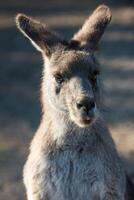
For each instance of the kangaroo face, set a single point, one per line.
(71, 74)
(72, 85)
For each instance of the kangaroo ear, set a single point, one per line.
(39, 34)
(90, 33)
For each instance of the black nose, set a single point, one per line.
(85, 105)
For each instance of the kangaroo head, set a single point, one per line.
(71, 74)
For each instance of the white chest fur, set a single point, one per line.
(71, 175)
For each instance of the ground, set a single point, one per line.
(20, 77)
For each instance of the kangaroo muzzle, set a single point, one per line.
(83, 106)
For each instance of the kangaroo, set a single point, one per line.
(72, 155)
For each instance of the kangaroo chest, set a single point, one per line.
(81, 175)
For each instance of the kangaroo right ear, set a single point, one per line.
(92, 30)
(39, 34)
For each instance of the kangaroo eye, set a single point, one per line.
(59, 79)
(96, 73)
(94, 76)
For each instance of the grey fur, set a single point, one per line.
(70, 157)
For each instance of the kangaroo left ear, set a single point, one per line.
(92, 30)
(39, 34)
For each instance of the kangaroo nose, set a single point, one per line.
(85, 105)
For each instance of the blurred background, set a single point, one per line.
(20, 78)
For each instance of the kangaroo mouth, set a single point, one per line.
(86, 120)
(82, 119)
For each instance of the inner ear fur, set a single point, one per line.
(39, 34)
(92, 30)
